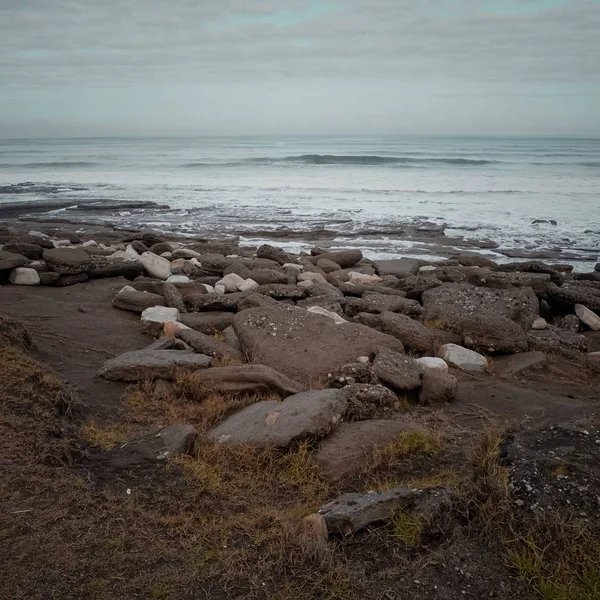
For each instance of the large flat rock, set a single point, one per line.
(309, 415)
(302, 345)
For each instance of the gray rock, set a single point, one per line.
(220, 302)
(273, 253)
(437, 387)
(413, 335)
(24, 276)
(247, 378)
(267, 276)
(398, 371)
(567, 296)
(519, 363)
(280, 291)
(350, 288)
(207, 322)
(367, 401)
(327, 266)
(538, 282)
(414, 285)
(231, 338)
(173, 297)
(156, 266)
(67, 261)
(587, 317)
(400, 268)
(9, 261)
(130, 299)
(141, 365)
(154, 318)
(50, 278)
(462, 358)
(570, 323)
(378, 303)
(256, 301)
(67, 280)
(102, 266)
(350, 374)
(345, 258)
(557, 340)
(302, 345)
(206, 344)
(30, 251)
(308, 415)
(352, 512)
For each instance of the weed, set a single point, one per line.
(103, 437)
(407, 527)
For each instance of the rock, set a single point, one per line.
(592, 362)
(377, 303)
(280, 291)
(474, 260)
(319, 310)
(128, 298)
(199, 302)
(362, 279)
(354, 511)
(309, 277)
(24, 276)
(398, 371)
(178, 279)
(141, 365)
(30, 251)
(414, 285)
(539, 324)
(345, 258)
(411, 333)
(302, 345)
(155, 317)
(266, 276)
(597, 267)
(351, 373)
(434, 363)
(587, 317)
(462, 358)
(66, 280)
(273, 253)
(557, 340)
(163, 389)
(400, 268)
(139, 246)
(161, 248)
(206, 344)
(518, 304)
(231, 282)
(102, 266)
(538, 282)
(207, 322)
(358, 290)
(567, 296)
(186, 253)
(247, 378)
(438, 387)
(173, 297)
(231, 338)
(570, 323)
(249, 285)
(156, 266)
(308, 415)
(67, 261)
(9, 261)
(327, 266)
(153, 448)
(50, 278)
(170, 328)
(347, 450)
(534, 266)
(518, 363)
(367, 401)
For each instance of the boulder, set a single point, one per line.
(24, 276)
(220, 302)
(557, 340)
(539, 324)
(357, 289)
(50, 278)
(347, 450)
(358, 372)
(570, 323)
(141, 365)
(538, 282)
(273, 253)
(326, 265)
(178, 278)
(462, 358)
(256, 301)
(156, 266)
(567, 296)
(518, 363)
(206, 344)
(413, 335)
(319, 310)
(587, 317)
(398, 267)
(173, 297)
(66, 280)
(207, 322)
(302, 345)
(247, 378)
(438, 387)
(363, 279)
(308, 415)
(433, 363)
(345, 258)
(30, 251)
(102, 266)
(266, 276)
(377, 303)
(280, 291)
(367, 401)
(128, 298)
(518, 304)
(9, 261)
(414, 285)
(67, 261)
(154, 318)
(231, 338)
(230, 283)
(398, 371)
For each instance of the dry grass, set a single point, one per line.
(105, 438)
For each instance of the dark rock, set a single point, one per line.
(231, 338)
(308, 415)
(414, 285)
(567, 296)
(9, 261)
(139, 246)
(141, 365)
(413, 335)
(474, 260)
(534, 266)
(247, 378)
(538, 282)
(519, 363)
(255, 301)
(114, 267)
(67, 261)
(38, 240)
(200, 302)
(557, 340)
(437, 387)
(345, 258)
(366, 401)
(50, 278)
(67, 280)
(372, 320)
(400, 268)
(161, 248)
(327, 266)
(397, 371)
(173, 297)
(358, 290)
(350, 374)
(149, 237)
(206, 344)
(544, 222)
(275, 254)
(280, 291)
(31, 251)
(207, 322)
(134, 301)
(570, 323)
(266, 276)
(302, 345)
(378, 303)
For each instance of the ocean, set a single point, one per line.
(364, 188)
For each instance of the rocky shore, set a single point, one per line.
(334, 353)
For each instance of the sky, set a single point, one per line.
(72, 68)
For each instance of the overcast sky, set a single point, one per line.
(193, 67)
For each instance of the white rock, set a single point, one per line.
(363, 279)
(309, 276)
(463, 358)
(132, 252)
(156, 266)
(167, 255)
(539, 324)
(61, 243)
(24, 276)
(232, 256)
(220, 288)
(196, 262)
(209, 288)
(293, 266)
(178, 279)
(319, 310)
(248, 285)
(120, 254)
(427, 269)
(188, 253)
(588, 317)
(39, 234)
(363, 359)
(432, 362)
(231, 282)
(90, 244)
(154, 318)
